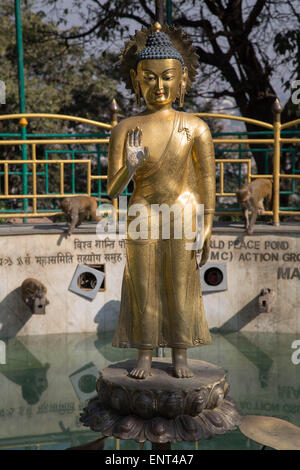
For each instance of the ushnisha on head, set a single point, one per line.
(159, 46)
(159, 64)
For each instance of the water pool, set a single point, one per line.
(47, 380)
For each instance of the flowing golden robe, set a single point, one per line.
(161, 301)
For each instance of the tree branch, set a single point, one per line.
(255, 12)
(216, 8)
(147, 9)
(295, 13)
(220, 94)
(81, 35)
(221, 62)
(138, 19)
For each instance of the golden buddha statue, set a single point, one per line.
(170, 156)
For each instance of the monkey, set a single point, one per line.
(251, 196)
(33, 291)
(78, 207)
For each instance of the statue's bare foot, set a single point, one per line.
(142, 369)
(182, 371)
(180, 367)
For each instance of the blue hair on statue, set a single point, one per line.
(159, 46)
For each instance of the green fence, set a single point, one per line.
(98, 156)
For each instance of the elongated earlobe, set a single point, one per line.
(138, 95)
(136, 87)
(181, 94)
(182, 87)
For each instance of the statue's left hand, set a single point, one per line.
(208, 222)
(205, 251)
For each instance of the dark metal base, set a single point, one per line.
(162, 408)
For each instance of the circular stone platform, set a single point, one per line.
(162, 408)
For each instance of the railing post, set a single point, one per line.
(34, 182)
(23, 123)
(114, 109)
(276, 109)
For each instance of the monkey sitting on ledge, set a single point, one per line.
(77, 208)
(251, 196)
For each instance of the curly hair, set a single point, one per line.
(137, 42)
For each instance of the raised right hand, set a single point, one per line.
(136, 154)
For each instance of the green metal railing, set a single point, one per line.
(100, 151)
(69, 158)
(241, 153)
(72, 154)
(233, 150)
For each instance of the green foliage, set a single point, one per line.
(59, 77)
(248, 50)
(73, 70)
(239, 43)
(67, 72)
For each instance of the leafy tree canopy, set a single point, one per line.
(59, 76)
(242, 44)
(248, 49)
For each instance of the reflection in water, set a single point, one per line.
(24, 369)
(40, 405)
(34, 384)
(84, 381)
(253, 353)
(111, 354)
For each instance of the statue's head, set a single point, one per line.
(160, 74)
(156, 65)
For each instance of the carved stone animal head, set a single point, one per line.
(34, 295)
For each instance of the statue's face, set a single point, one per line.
(159, 81)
